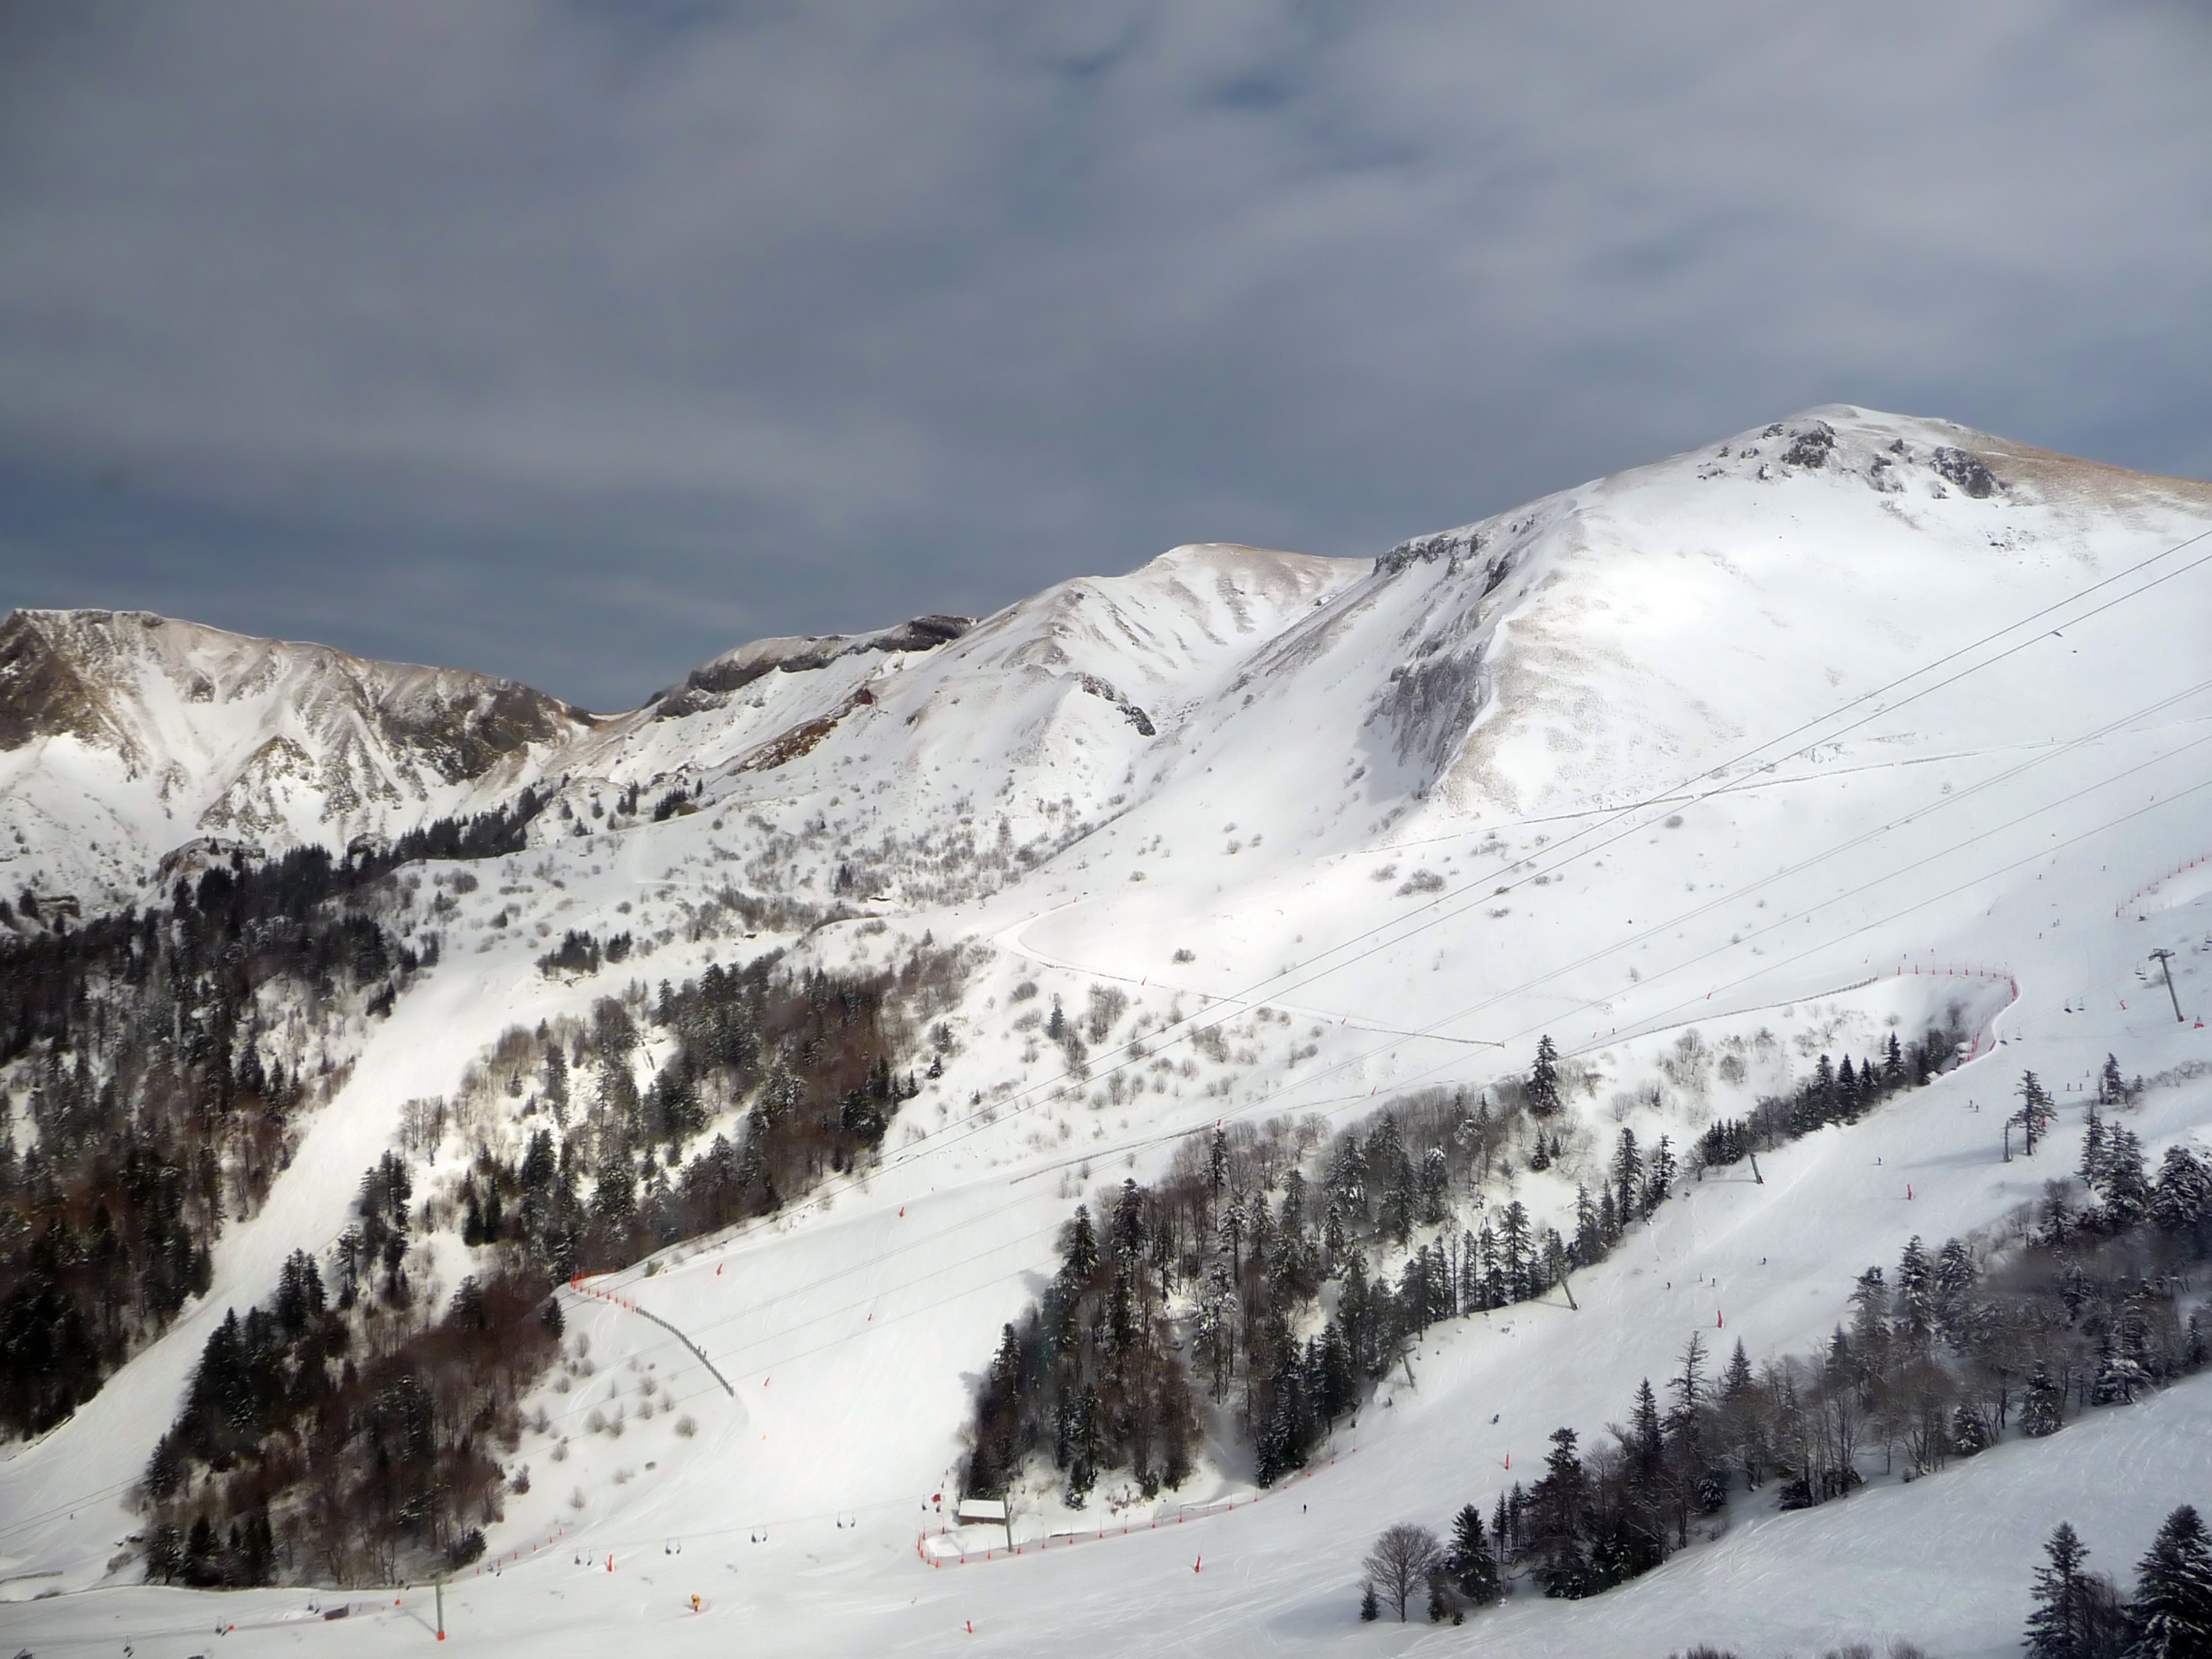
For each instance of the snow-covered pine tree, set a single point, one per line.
(1628, 1176)
(2036, 1110)
(2123, 1186)
(1472, 1563)
(1078, 1249)
(1543, 1079)
(2092, 1148)
(1659, 1178)
(2170, 1616)
(2042, 1407)
(1589, 1241)
(2183, 1196)
(1954, 1281)
(1914, 1305)
(2112, 1089)
(1825, 1105)
(1970, 1431)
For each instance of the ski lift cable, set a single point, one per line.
(962, 1128)
(1032, 1096)
(1277, 1103)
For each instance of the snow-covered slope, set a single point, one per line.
(1788, 743)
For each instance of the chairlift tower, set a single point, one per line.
(2165, 960)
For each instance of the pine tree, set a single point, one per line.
(2184, 1194)
(2042, 1409)
(1736, 1381)
(1470, 1561)
(1685, 1389)
(2123, 1186)
(1370, 1609)
(2054, 1628)
(2092, 1148)
(1869, 1301)
(1970, 1431)
(1916, 1294)
(1006, 1364)
(1824, 1091)
(1628, 1172)
(1513, 1251)
(1079, 1251)
(2112, 1090)
(2076, 1615)
(1589, 1242)
(1558, 1518)
(1659, 1179)
(2171, 1614)
(2036, 1110)
(1644, 1443)
(1955, 1276)
(1128, 1231)
(1543, 1079)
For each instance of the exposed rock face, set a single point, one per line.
(43, 693)
(708, 686)
(124, 735)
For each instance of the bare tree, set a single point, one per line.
(1401, 1563)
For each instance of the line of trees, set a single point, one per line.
(610, 1170)
(1832, 1095)
(167, 1057)
(341, 1430)
(2087, 1306)
(343, 1437)
(2080, 1614)
(1092, 1371)
(1238, 1243)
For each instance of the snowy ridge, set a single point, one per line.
(1700, 769)
(127, 739)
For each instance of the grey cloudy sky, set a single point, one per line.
(579, 341)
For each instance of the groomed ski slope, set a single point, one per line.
(2011, 828)
(1944, 1561)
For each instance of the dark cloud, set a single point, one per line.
(579, 342)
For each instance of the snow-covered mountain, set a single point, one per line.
(127, 739)
(1844, 725)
